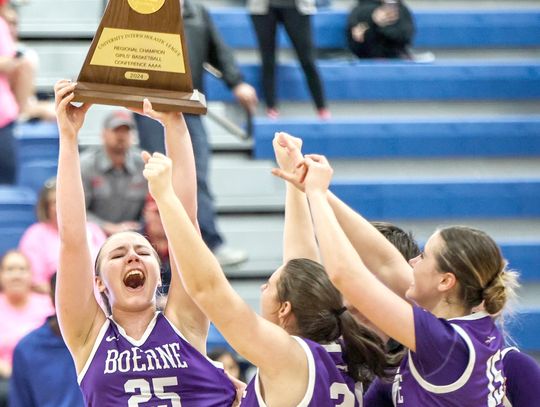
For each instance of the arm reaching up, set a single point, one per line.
(381, 257)
(79, 314)
(265, 344)
(180, 308)
(298, 236)
(390, 313)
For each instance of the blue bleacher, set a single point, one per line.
(401, 80)
(496, 136)
(435, 28)
(524, 328)
(9, 238)
(37, 141)
(441, 198)
(16, 206)
(34, 173)
(523, 256)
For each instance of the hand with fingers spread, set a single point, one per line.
(319, 174)
(70, 117)
(158, 173)
(287, 150)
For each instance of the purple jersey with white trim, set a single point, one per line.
(328, 383)
(458, 362)
(522, 378)
(160, 369)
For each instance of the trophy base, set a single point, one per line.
(131, 96)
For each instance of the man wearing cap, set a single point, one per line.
(204, 46)
(114, 187)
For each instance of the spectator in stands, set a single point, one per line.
(295, 16)
(114, 187)
(229, 360)
(204, 46)
(40, 243)
(380, 29)
(43, 371)
(10, 66)
(21, 309)
(24, 86)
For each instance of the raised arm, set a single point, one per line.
(261, 342)
(389, 312)
(377, 253)
(78, 311)
(298, 236)
(181, 310)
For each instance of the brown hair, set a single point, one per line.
(321, 317)
(97, 265)
(477, 262)
(403, 241)
(42, 205)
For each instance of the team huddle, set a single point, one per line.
(348, 320)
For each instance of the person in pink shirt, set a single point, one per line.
(9, 64)
(22, 310)
(41, 241)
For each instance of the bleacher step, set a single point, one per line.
(262, 237)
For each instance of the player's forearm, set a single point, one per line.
(184, 177)
(70, 195)
(199, 269)
(299, 236)
(376, 252)
(340, 258)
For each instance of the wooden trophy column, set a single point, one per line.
(139, 51)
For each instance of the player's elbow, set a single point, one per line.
(338, 274)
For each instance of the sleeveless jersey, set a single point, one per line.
(522, 373)
(328, 383)
(160, 369)
(477, 382)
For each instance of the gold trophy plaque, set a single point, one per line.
(139, 52)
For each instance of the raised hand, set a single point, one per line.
(165, 118)
(158, 173)
(319, 174)
(70, 117)
(287, 150)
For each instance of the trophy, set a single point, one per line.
(139, 52)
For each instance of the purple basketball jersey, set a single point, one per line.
(458, 362)
(160, 369)
(522, 379)
(328, 384)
